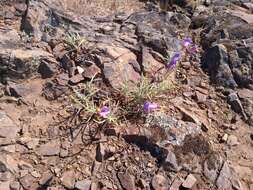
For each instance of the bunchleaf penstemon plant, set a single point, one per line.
(188, 47)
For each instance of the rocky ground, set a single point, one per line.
(57, 68)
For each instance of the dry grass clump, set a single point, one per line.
(99, 7)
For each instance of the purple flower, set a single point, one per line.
(104, 111)
(149, 107)
(187, 42)
(176, 57)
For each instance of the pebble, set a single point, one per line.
(232, 140)
(224, 138)
(159, 182)
(83, 185)
(68, 179)
(51, 148)
(27, 181)
(14, 185)
(127, 181)
(189, 181)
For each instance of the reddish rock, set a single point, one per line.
(127, 181)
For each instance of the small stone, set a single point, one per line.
(127, 181)
(83, 185)
(100, 155)
(46, 69)
(176, 184)
(79, 69)
(8, 129)
(159, 182)
(94, 186)
(186, 65)
(189, 181)
(46, 179)
(64, 153)
(51, 148)
(3, 167)
(228, 178)
(5, 176)
(171, 162)
(235, 103)
(232, 140)
(14, 185)
(68, 179)
(201, 98)
(35, 174)
(27, 181)
(224, 138)
(76, 79)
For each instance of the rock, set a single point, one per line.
(159, 182)
(7, 163)
(5, 185)
(35, 20)
(189, 181)
(47, 69)
(171, 162)
(14, 185)
(127, 181)
(17, 90)
(186, 65)
(216, 62)
(5, 176)
(224, 138)
(201, 98)
(8, 129)
(51, 148)
(91, 71)
(52, 91)
(27, 181)
(83, 185)
(68, 179)
(46, 178)
(21, 64)
(176, 184)
(232, 140)
(149, 64)
(118, 71)
(103, 152)
(74, 80)
(235, 103)
(212, 166)
(227, 178)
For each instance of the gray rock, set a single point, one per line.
(19, 63)
(235, 103)
(216, 62)
(8, 129)
(68, 179)
(212, 166)
(47, 69)
(171, 162)
(159, 182)
(51, 148)
(83, 185)
(228, 179)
